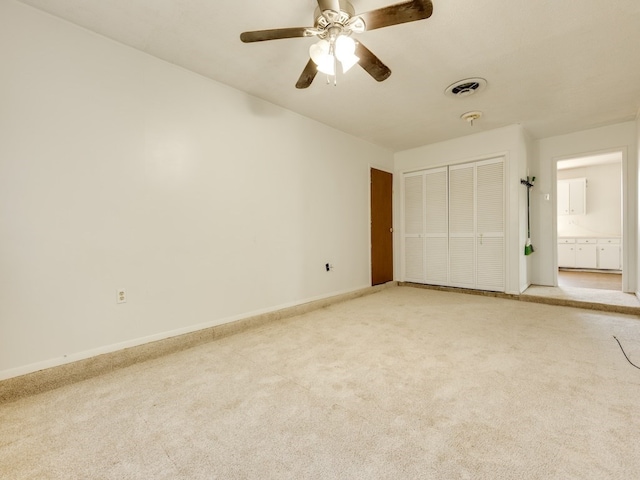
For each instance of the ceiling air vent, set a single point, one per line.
(466, 87)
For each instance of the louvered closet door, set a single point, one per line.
(490, 248)
(414, 218)
(436, 233)
(462, 271)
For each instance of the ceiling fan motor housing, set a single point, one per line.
(325, 14)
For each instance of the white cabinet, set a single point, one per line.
(577, 253)
(454, 226)
(567, 252)
(609, 254)
(589, 253)
(572, 196)
(586, 256)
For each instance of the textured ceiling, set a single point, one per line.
(553, 66)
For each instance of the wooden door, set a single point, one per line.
(381, 227)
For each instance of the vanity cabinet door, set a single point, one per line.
(566, 255)
(586, 256)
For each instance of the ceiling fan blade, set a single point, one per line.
(274, 34)
(307, 76)
(395, 14)
(371, 63)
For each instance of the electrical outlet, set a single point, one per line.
(121, 295)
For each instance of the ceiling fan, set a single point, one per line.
(335, 22)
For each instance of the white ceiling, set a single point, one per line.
(553, 66)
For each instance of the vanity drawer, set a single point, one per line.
(609, 241)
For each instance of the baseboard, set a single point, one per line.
(563, 302)
(135, 342)
(47, 379)
(469, 291)
(589, 270)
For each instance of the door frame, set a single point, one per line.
(626, 234)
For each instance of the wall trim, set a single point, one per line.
(46, 376)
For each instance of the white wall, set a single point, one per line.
(635, 172)
(512, 143)
(603, 216)
(620, 137)
(119, 170)
(526, 147)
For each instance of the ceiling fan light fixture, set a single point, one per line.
(320, 53)
(349, 62)
(324, 54)
(345, 47)
(345, 52)
(328, 66)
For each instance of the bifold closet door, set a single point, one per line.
(436, 234)
(490, 248)
(476, 225)
(454, 226)
(414, 218)
(426, 239)
(462, 227)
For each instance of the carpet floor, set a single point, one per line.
(405, 383)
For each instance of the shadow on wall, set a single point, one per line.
(262, 108)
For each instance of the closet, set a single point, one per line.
(453, 232)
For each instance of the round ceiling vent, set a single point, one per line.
(466, 87)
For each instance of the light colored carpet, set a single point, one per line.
(403, 384)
